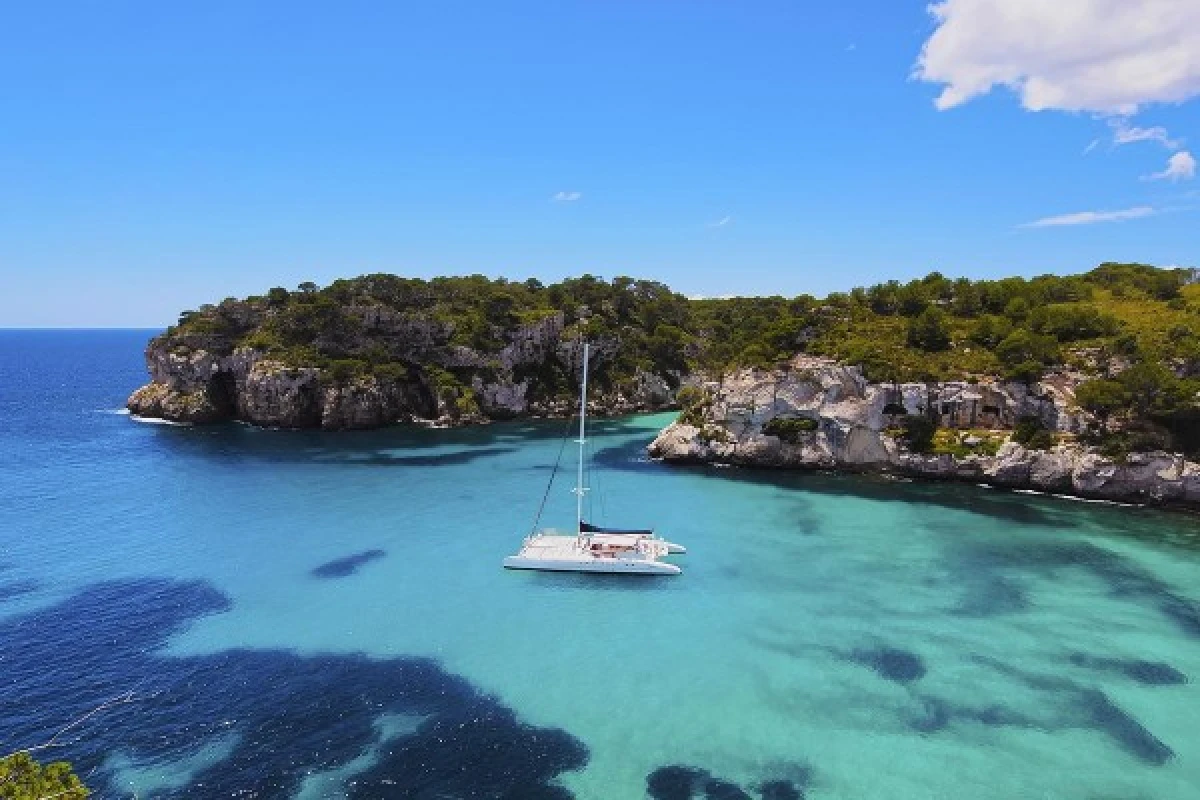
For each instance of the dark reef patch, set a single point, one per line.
(780, 790)
(1105, 715)
(1123, 579)
(717, 789)
(293, 715)
(992, 595)
(1183, 612)
(679, 782)
(936, 714)
(892, 663)
(1150, 673)
(933, 716)
(1085, 707)
(342, 567)
(674, 782)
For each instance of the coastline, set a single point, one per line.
(1189, 506)
(820, 414)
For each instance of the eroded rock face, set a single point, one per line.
(850, 417)
(202, 380)
(159, 401)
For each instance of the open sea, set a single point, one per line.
(323, 615)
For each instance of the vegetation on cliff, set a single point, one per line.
(1133, 328)
(337, 328)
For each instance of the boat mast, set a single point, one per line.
(580, 489)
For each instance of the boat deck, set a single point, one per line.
(559, 553)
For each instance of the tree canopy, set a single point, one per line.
(23, 778)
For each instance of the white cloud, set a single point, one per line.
(566, 197)
(1091, 217)
(1180, 167)
(1124, 133)
(1105, 56)
(1091, 146)
(722, 222)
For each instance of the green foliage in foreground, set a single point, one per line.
(23, 778)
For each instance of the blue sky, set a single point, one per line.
(155, 156)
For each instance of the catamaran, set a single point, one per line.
(593, 548)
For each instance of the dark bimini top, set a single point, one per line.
(587, 527)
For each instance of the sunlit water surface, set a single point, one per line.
(304, 614)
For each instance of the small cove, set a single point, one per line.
(847, 636)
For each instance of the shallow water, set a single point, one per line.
(305, 614)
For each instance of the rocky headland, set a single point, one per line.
(379, 350)
(214, 380)
(1087, 385)
(820, 414)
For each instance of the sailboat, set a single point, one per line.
(593, 548)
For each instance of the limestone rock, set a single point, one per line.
(159, 401)
(852, 418)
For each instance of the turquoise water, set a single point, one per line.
(850, 637)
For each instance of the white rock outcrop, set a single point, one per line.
(850, 418)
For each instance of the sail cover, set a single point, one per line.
(587, 527)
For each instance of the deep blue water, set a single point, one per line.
(306, 614)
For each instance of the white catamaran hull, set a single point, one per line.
(606, 565)
(560, 553)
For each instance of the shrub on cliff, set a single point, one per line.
(694, 403)
(1030, 432)
(789, 429)
(390, 371)
(917, 432)
(1153, 389)
(1102, 397)
(343, 371)
(1025, 354)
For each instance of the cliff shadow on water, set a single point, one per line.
(398, 445)
(998, 504)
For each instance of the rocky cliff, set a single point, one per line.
(211, 377)
(826, 415)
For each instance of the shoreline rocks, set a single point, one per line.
(847, 429)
